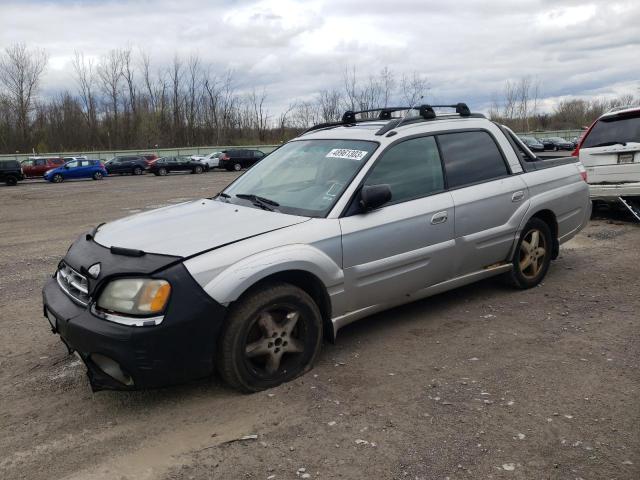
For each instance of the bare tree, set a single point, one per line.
(85, 74)
(413, 88)
(110, 74)
(20, 73)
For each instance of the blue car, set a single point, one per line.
(78, 168)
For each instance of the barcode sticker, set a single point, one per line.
(347, 153)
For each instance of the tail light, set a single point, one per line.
(583, 137)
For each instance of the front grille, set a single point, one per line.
(73, 284)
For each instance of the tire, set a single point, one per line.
(137, 171)
(530, 264)
(97, 176)
(197, 170)
(237, 167)
(162, 172)
(284, 326)
(57, 178)
(11, 181)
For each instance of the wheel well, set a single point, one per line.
(548, 217)
(313, 286)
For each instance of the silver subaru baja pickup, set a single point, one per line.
(348, 219)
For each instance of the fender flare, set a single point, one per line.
(232, 282)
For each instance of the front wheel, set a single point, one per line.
(162, 172)
(197, 169)
(57, 178)
(272, 335)
(11, 181)
(533, 255)
(137, 171)
(237, 167)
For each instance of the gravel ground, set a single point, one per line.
(480, 382)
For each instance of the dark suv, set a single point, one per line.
(134, 164)
(239, 159)
(10, 172)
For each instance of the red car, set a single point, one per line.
(35, 167)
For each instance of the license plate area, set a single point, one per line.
(625, 158)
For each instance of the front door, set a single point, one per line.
(405, 245)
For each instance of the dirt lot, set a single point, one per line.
(482, 382)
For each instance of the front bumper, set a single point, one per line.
(611, 191)
(179, 349)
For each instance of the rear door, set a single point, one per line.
(406, 245)
(489, 202)
(611, 150)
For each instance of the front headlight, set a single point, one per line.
(135, 296)
(49, 171)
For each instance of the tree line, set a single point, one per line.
(124, 101)
(518, 107)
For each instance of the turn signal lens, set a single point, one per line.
(135, 296)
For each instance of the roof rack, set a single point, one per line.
(425, 112)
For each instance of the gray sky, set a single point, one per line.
(293, 48)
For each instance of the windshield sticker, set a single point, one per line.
(347, 153)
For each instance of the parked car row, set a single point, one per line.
(549, 143)
(58, 169)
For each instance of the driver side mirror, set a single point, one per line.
(374, 196)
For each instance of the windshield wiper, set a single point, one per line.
(261, 202)
(608, 144)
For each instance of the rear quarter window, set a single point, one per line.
(471, 157)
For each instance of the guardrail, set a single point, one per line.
(566, 134)
(161, 152)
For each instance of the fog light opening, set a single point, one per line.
(111, 368)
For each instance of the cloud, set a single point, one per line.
(293, 48)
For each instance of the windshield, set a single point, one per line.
(615, 129)
(303, 177)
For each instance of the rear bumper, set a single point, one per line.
(611, 191)
(180, 349)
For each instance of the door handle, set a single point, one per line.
(517, 196)
(439, 217)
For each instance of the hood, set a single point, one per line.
(190, 228)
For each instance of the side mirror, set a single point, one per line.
(374, 196)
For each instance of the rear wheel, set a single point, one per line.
(57, 178)
(533, 255)
(272, 335)
(137, 171)
(197, 169)
(11, 180)
(237, 167)
(97, 176)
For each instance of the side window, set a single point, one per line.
(73, 164)
(412, 169)
(471, 157)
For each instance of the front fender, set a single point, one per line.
(232, 282)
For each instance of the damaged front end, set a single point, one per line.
(133, 350)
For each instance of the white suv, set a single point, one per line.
(610, 151)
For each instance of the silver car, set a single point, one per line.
(346, 220)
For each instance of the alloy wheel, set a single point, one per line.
(274, 341)
(533, 252)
